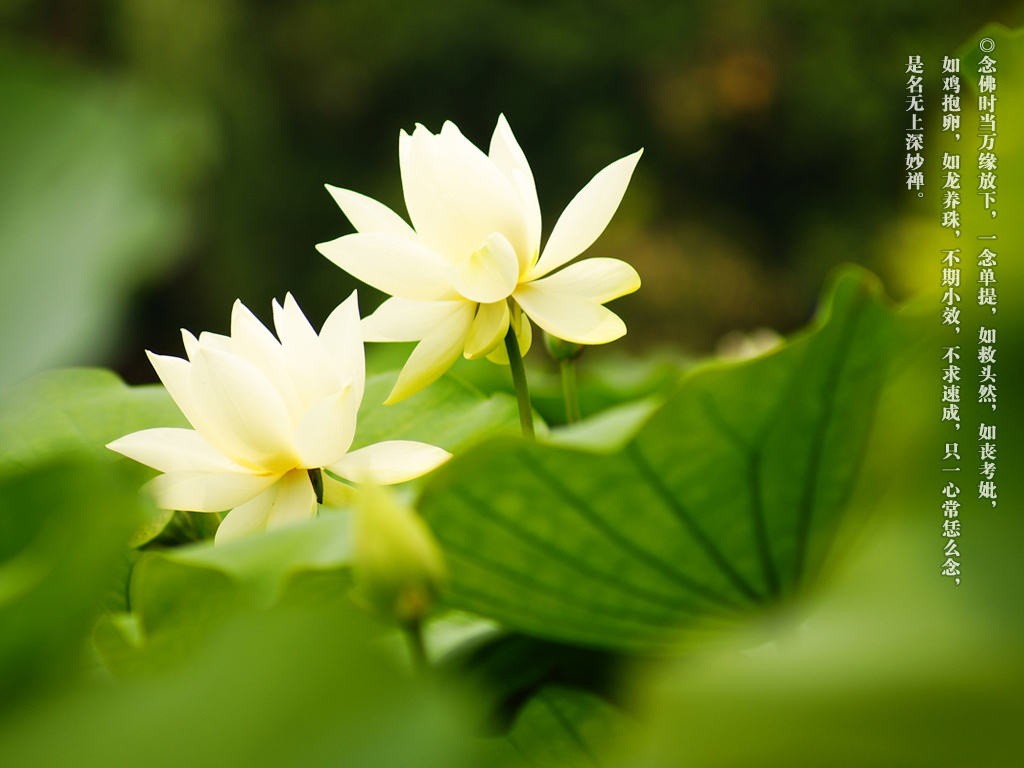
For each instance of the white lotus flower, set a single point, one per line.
(268, 416)
(473, 265)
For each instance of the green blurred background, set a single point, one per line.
(159, 159)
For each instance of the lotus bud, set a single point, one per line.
(399, 570)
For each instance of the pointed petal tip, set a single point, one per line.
(481, 353)
(337, 193)
(192, 345)
(399, 392)
(632, 160)
(156, 360)
(503, 127)
(238, 308)
(403, 391)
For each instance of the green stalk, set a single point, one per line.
(515, 359)
(316, 477)
(569, 393)
(417, 648)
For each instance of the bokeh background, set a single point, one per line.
(160, 159)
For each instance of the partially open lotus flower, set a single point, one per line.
(471, 264)
(269, 414)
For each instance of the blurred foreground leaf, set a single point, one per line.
(263, 564)
(285, 687)
(76, 412)
(722, 503)
(178, 598)
(174, 610)
(63, 529)
(893, 667)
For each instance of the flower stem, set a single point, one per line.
(515, 359)
(417, 648)
(569, 393)
(316, 477)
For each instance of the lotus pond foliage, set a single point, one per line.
(293, 552)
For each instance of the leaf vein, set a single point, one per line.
(753, 455)
(570, 729)
(810, 486)
(601, 525)
(683, 515)
(565, 558)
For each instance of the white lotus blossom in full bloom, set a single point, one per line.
(268, 415)
(471, 264)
